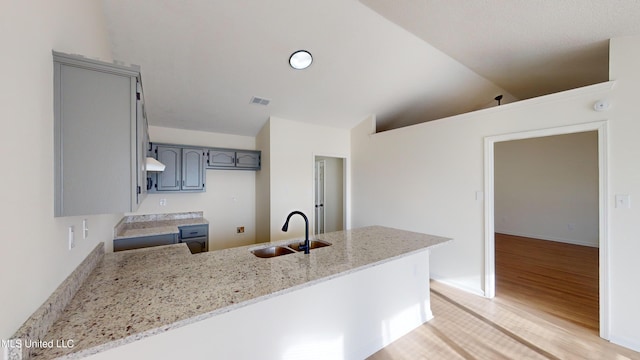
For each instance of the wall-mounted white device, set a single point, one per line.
(601, 105)
(72, 241)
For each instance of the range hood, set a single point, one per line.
(154, 165)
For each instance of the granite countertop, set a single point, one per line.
(155, 224)
(138, 293)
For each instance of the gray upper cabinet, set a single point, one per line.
(193, 169)
(185, 165)
(170, 178)
(98, 127)
(248, 159)
(221, 159)
(184, 168)
(233, 159)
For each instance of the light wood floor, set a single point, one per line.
(467, 326)
(544, 309)
(556, 278)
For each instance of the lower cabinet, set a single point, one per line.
(197, 245)
(196, 237)
(144, 241)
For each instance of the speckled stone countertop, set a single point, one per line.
(138, 293)
(155, 224)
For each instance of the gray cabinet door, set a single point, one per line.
(95, 140)
(142, 141)
(197, 245)
(221, 159)
(170, 178)
(192, 169)
(248, 159)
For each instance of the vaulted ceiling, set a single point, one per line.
(406, 61)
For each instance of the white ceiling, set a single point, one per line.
(530, 48)
(203, 60)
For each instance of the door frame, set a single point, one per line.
(323, 183)
(603, 210)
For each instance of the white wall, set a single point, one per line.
(34, 257)
(263, 186)
(229, 199)
(547, 188)
(442, 169)
(293, 148)
(624, 155)
(433, 189)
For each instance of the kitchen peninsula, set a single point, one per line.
(349, 299)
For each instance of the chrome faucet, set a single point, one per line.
(285, 227)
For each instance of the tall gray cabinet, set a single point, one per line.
(101, 138)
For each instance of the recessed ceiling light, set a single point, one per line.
(300, 59)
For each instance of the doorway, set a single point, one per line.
(329, 189)
(490, 203)
(546, 223)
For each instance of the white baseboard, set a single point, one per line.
(628, 343)
(548, 238)
(457, 285)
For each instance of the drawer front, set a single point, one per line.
(192, 231)
(143, 242)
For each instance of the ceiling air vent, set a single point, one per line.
(260, 101)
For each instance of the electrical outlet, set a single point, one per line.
(240, 229)
(72, 241)
(163, 202)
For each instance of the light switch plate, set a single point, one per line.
(623, 201)
(72, 241)
(85, 229)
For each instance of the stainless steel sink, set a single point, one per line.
(272, 251)
(313, 244)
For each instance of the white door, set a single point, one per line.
(320, 196)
